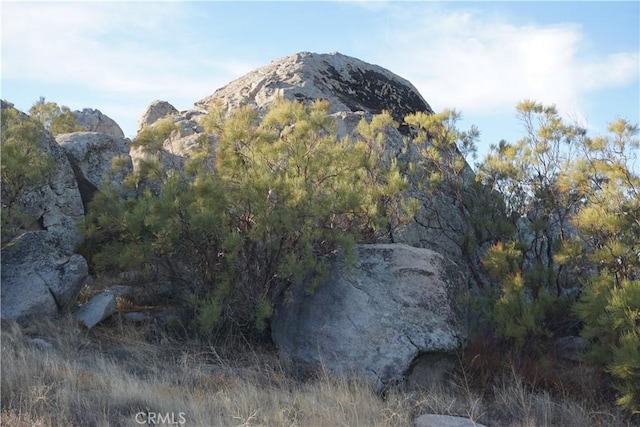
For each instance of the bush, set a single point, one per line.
(55, 119)
(24, 165)
(574, 202)
(284, 196)
(612, 321)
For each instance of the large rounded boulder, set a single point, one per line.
(373, 319)
(349, 84)
(357, 90)
(92, 120)
(38, 278)
(91, 156)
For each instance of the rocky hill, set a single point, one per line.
(349, 84)
(355, 90)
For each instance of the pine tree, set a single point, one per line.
(24, 164)
(610, 305)
(54, 118)
(269, 207)
(446, 181)
(574, 202)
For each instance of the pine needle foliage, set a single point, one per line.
(610, 305)
(574, 203)
(446, 182)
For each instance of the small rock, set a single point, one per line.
(431, 420)
(92, 120)
(154, 112)
(97, 309)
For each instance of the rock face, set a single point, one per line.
(178, 146)
(94, 121)
(154, 112)
(375, 319)
(349, 84)
(401, 301)
(90, 155)
(356, 90)
(56, 206)
(39, 279)
(97, 309)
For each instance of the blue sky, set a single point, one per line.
(478, 57)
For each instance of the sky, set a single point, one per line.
(480, 58)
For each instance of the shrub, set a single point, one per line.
(574, 202)
(55, 119)
(284, 196)
(24, 165)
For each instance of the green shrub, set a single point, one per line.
(574, 201)
(24, 165)
(612, 322)
(284, 196)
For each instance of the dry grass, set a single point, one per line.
(108, 375)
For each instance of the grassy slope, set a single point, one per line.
(107, 375)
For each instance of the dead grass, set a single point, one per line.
(108, 375)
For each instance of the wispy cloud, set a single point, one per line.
(115, 47)
(483, 63)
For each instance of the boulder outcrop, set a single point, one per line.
(155, 111)
(91, 120)
(91, 155)
(177, 148)
(38, 278)
(357, 90)
(349, 84)
(375, 318)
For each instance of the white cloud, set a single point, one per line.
(110, 47)
(616, 69)
(482, 63)
(129, 53)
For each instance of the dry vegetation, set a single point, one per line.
(107, 375)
